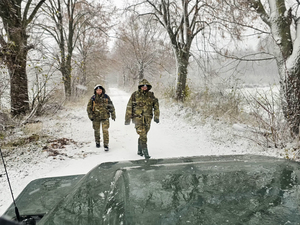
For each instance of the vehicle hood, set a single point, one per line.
(238, 189)
(42, 195)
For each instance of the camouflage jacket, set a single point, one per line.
(142, 103)
(101, 107)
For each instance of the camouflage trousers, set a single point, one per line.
(105, 126)
(142, 126)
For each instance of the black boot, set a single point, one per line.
(106, 148)
(145, 151)
(97, 145)
(140, 152)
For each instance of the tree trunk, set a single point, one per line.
(290, 95)
(182, 60)
(19, 88)
(287, 57)
(71, 30)
(67, 78)
(84, 71)
(141, 71)
(17, 72)
(67, 86)
(65, 62)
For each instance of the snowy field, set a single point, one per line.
(174, 136)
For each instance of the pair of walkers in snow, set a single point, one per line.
(140, 109)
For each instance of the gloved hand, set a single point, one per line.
(127, 122)
(92, 119)
(113, 118)
(156, 120)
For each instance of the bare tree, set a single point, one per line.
(139, 41)
(63, 33)
(183, 21)
(282, 18)
(92, 48)
(14, 48)
(91, 62)
(141, 49)
(69, 20)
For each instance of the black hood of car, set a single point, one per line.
(236, 189)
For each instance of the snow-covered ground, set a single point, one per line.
(174, 136)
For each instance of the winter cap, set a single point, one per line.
(98, 86)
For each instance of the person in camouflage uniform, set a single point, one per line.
(99, 110)
(140, 108)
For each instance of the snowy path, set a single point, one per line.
(172, 137)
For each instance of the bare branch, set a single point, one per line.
(257, 5)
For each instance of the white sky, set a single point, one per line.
(119, 3)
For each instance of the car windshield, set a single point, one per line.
(226, 192)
